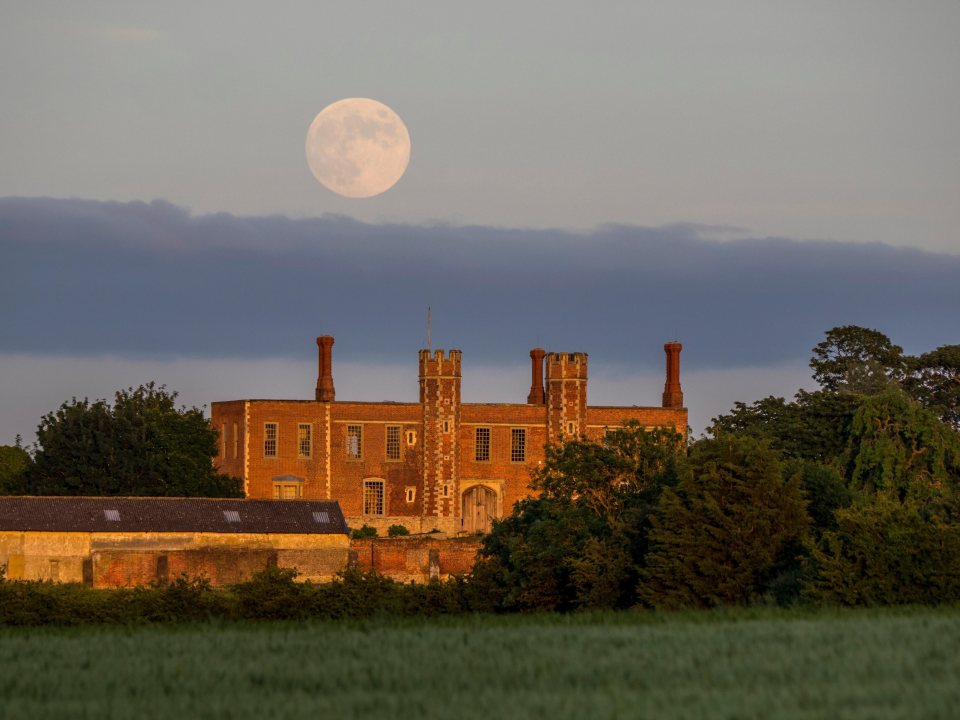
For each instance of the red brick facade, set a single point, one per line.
(436, 464)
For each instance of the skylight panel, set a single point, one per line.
(231, 516)
(112, 515)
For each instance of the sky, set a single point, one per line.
(602, 177)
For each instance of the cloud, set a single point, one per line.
(152, 281)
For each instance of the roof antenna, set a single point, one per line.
(428, 328)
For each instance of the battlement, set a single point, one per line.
(564, 366)
(435, 363)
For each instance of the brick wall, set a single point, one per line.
(415, 559)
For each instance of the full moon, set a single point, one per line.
(358, 147)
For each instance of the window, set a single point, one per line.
(481, 452)
(518, 445)
(269, 439)
(569, 428)
(304, 440)
(393, 442)
(411, 437)
(287, 490)
(355, 441)
(236, 441)
(446, 426)
(446, 491)
(411, 494)
(373, 497)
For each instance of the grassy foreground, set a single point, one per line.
(724, 664)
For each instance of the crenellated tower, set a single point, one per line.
(440, 405)
(566, 395)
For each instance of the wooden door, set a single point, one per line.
(479, 509)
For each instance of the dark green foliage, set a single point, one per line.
(856, 356)
(897, 444)
(527, 562)
(728, 527)
(815, 426)
(142, 445)
(14, 461)
(889, 550)
(397, 531)
(580, 545)
(364, 533)
(823, 487)
(273, 594)
(934, 380)
(44, 603)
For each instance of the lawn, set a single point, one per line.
(726, 664)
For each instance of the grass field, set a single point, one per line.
(728, 664)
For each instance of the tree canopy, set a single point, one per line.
(142, 444)
(14, 461)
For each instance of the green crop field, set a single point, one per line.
(726, 664)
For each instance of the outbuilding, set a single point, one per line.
(128, 541)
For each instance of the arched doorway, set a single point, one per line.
(479, 509)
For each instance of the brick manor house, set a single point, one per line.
(435, 464)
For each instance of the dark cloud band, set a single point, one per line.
(150, 280)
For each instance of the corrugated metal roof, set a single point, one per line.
(139, 514)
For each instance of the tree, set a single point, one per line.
(14, 461)
(815, 426)
(897, 444)
(581, 543)
(898, 539)
(141, 445)
(934, 381)
(854, 355)
(888, 550)
(721, 536)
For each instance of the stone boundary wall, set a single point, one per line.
(110, 562)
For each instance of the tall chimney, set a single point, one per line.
(672, 393)
(536, 396)
(325, 391)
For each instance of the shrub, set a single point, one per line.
(397, 531)
(364, 533)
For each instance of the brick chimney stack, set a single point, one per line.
(672, 393)
(536, 396)
(325, 391)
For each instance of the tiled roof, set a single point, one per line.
(139, 514)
